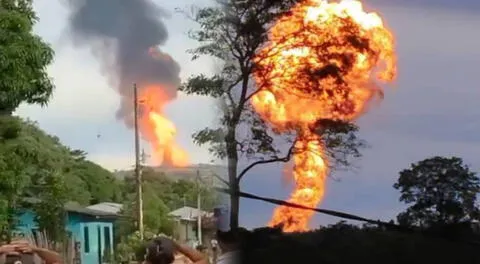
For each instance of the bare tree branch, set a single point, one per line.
(283, 159)
(222, 180)
(252, 94)
(219, 178)
(229, 91)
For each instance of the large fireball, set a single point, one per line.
(322, 61)
(159, 131)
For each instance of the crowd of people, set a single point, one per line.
(19, 247)
(163, 250)
(160, 250)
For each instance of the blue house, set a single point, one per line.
(90, 228)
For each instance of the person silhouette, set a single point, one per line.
(162, 250)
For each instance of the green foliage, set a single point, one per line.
(223, 35)
(177, 193)
(341, 143)
(24, 57)
(36, 165)
(161, 195)
(441, 191)
(101, 184)
(50, 210)
(27, 161)
(213, 138)
(132, 248)
(204, 85)
(127, 248)
(155, 214)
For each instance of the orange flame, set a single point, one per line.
(158, 130)
(321, 62)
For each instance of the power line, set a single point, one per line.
(323, 211)
(387, 225)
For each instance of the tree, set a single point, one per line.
(161, 195)
(177, 193)
(24, 57)
(231, 32)
(30, 162)
(156, 218)
(14, 176)
(440, 191)
(100, 184)
(50, 213)
(130, 247)
(36, 165)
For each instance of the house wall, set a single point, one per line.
(27, 224)
(96, 239)
(185, 231)
(98, 232)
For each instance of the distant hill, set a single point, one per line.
(209, 173)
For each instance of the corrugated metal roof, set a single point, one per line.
(77, 208)
(188, 213)
(112, 208)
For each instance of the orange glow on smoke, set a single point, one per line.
(158, 130)
(321, 62)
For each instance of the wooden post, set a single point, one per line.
(199, 208)
(138, 172)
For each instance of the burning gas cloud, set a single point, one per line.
(125, 35)
(322, 62)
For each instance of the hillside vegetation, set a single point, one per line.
(34, 164)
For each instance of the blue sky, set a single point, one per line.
(429, 111)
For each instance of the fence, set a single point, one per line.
(68, 249)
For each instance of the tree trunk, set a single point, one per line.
(232, 156)
(234, 206)
(11, 219)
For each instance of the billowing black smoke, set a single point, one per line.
(121, 33)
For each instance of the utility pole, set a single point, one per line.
(143, 157)
(138, 172)
(199, 217)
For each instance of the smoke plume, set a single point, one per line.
(124, 36)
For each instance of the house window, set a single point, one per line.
(86, 239)
(106, 235)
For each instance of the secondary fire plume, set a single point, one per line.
(321, 63)
(124, 35)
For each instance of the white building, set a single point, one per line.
(186, 224)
